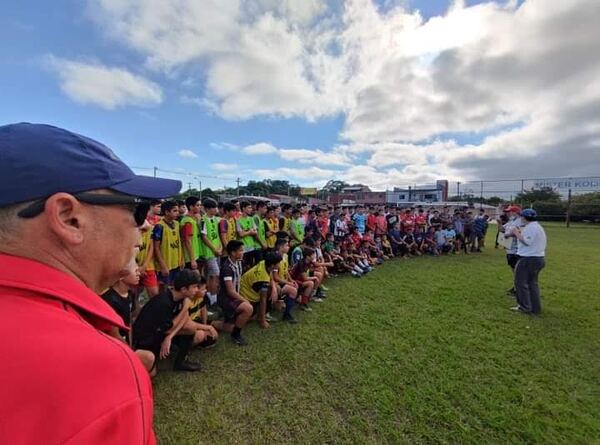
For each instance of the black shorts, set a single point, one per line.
(148, 345)
(229, 308)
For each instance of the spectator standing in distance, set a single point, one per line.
(514, 222)
(360, 220)
(532, 252)
(74, 383)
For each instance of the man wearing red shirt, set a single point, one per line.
(323, 222)
(407, 220)
(65, 380)
(372, 220)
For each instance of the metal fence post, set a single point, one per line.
(568, 216)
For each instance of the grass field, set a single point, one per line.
(419, 351)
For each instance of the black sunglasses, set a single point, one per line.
(139, 207)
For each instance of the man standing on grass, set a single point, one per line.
(514, 222)
(531, 251)
(211, 248)
(167, 244)
(189, 233)
(246, 230)
(64, 380)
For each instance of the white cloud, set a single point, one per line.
(224, 146)
(222, 167)
(261, 148)
(107, 87)
(320, 157)
(187, 154)
(308, 174)
(524, 74)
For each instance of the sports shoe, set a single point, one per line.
(187, 365)
(323, 288)
(207, 344)
(289, 318)
(239, 340)
(305, 308)
(317, 299)
(270, 318)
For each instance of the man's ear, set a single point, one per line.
(65, 217)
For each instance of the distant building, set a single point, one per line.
(363, 195)
(437, 192)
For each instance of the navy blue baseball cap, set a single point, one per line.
(39, 160)
(529, 213)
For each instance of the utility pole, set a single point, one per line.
(189, 186)
(569, 209)
(481, 197)
(458, 189)
(155, 170)
(238, 186)
(200, 189)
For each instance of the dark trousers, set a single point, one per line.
(526, 283)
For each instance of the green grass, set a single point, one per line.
(419, 351)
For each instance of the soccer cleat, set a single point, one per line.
(305, 308)
(239, 340)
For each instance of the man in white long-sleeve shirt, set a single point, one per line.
(531, 251)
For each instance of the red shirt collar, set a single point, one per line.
(25, 274)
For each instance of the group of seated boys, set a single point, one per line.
(209, 268)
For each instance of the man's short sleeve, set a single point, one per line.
(203, 229)
(227, 272)
(260, 286)
(157, 232)
(187, 230)
(223, 226)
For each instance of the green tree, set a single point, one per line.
(546, 194)
(334, 186)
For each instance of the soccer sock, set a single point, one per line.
(289, 305)
(212, 298)
(236, 332)
(358, 270)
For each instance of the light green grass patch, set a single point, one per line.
(418, 351)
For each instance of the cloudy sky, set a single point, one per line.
(380, 92)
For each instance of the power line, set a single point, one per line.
(182, 172)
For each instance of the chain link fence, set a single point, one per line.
(574, 199)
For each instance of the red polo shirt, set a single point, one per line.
(62, 380)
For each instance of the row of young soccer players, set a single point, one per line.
(271, 281)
